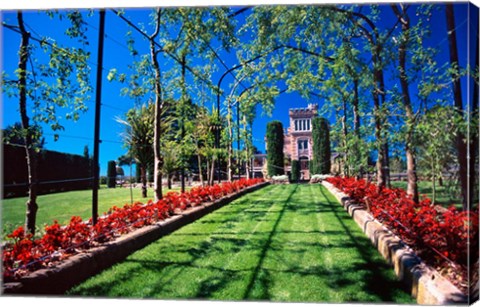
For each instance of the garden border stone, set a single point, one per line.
(78, 268)
(425, 283)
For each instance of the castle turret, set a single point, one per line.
(298, 139)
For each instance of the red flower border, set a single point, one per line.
(24, 254)
(439, 236)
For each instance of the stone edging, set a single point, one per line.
(78, 268)
(426, 284)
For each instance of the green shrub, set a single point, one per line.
(295, 174)
(320, 163)
(111, 174)
(275, 157)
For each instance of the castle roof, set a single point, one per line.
(309, 110)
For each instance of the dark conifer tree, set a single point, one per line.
(295, 175)
(275, 157)
(320, 163)
(111, 174)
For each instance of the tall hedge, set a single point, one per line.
(320, 163)
(111, 174)
(295, 174)
(275, 157)
(57, 172)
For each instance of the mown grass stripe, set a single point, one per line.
(288, 243)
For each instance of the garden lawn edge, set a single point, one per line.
(425, 283)
(78, 268)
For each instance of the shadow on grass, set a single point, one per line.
(231, 258)
(376, 280)
(262, 279)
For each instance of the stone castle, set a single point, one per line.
(297, 143)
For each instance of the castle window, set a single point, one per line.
(302, 124)
(302, 145)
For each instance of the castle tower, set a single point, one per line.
(298, 139)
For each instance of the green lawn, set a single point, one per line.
(62, 206)
(445, 195)
(286, 243)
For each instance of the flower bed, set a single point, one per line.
(24, 254)
(439, 237)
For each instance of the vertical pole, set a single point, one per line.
(217, 137)
(238, 139)
(96, 138)
(182, 115)
(131, 183)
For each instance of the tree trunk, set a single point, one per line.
(31, 155)
(356, 127)
(474, 132)
(412, 187)
(457, 94)
(143, 174)
(208, 172)
(200, 171)
(385, 146)
(212, 172)
(183, 106)
(381, 180)
(378, 92)
(356, 112)
(158, 159)
(345, 135)
(434, 190)
(182, 170)
(229, 142)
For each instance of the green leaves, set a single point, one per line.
(112, 74)
(57, 77)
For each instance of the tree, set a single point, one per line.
(201, 134)
(160, 107)
(295, 174)
(403, 46)
(15, 135)
(367, 29)
(86, 154)
(275, 156)
(171, 160)
(474, 124)
(436, 131)
(321, 163)
(305, 63)
(138, 139)
(460, 140)
(111, 174)
(61, 82)
(200, 27)
(177, 34)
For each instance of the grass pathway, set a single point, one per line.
(289, 243)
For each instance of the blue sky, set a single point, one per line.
(80, 133)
